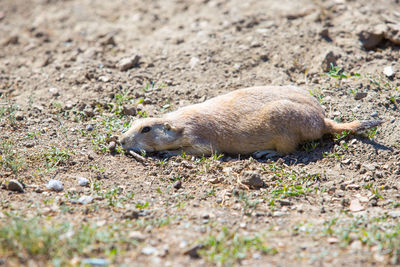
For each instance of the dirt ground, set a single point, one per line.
(73, 74)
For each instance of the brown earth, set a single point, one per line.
(65, 95)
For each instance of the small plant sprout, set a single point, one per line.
(372, 132)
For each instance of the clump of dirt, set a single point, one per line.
(73, 74)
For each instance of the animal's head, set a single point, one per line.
(151, 134)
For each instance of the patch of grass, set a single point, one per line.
(10, 159)
(58, 243)
(228, 247)
(372, 132)
(7, 112)
(310, 146)
(247, 204)
(290, 183)
(339, 73)
(340, 136)
(377, 233)
(56, 157)
(318, 94)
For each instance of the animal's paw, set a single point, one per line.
(265, 153)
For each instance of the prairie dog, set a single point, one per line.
(240, 122)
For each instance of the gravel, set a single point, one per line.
(55, 185)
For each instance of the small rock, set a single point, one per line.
(252, 179)
(388, 71)
(85, 200)
(193, 252)
(355, 205)
(29, 144)
(332, 240)
(130, 214)
(147, 101)
(371, 38)
(393, 33)
(136, 235)
(278, 214)
(346, 161)
(330, 59)
(148, 250)
(19, 116)
(369, 167)
(69, 105)
(129, 111)
(178, 184)
(374, 114)
(14, 185)
(13, 40)
(104, 79)
(353, 187)
(394, 213)
(360, 95)
(54, 91)
(127, 63)
(325, 35)
(284, 202)
(108, 40)
(193, 62)
(55, 185)
(112, 146)
(82, 181)
(89, 112)
(95, 262)
(89, 127)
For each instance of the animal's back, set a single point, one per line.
(256, 118)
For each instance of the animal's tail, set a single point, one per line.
(354, 126)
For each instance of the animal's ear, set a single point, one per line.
(169, 127)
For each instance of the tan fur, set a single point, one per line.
(240, 122)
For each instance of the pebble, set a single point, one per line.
(14, 185)
(128, 62)
(112, 146)
(129, 111)
(130, 214)
(104, 79)
(55, 185)
(148, 250)
(278, 214)
(193, 251)
(12, 40)
(330, 59)
(360, 95)
(353, 187)
(85, 200)
(388, 71)
(54, 91)
(374, 114)
(178, 184)
(394, 213)
(371, 38)
(82, 181)
(252, 179)
(95, 262)
(284, 202)
(89, 127)
(137, 235)
(193, 62)
(29, 144)
(19, 116)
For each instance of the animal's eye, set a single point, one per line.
(146, 129)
